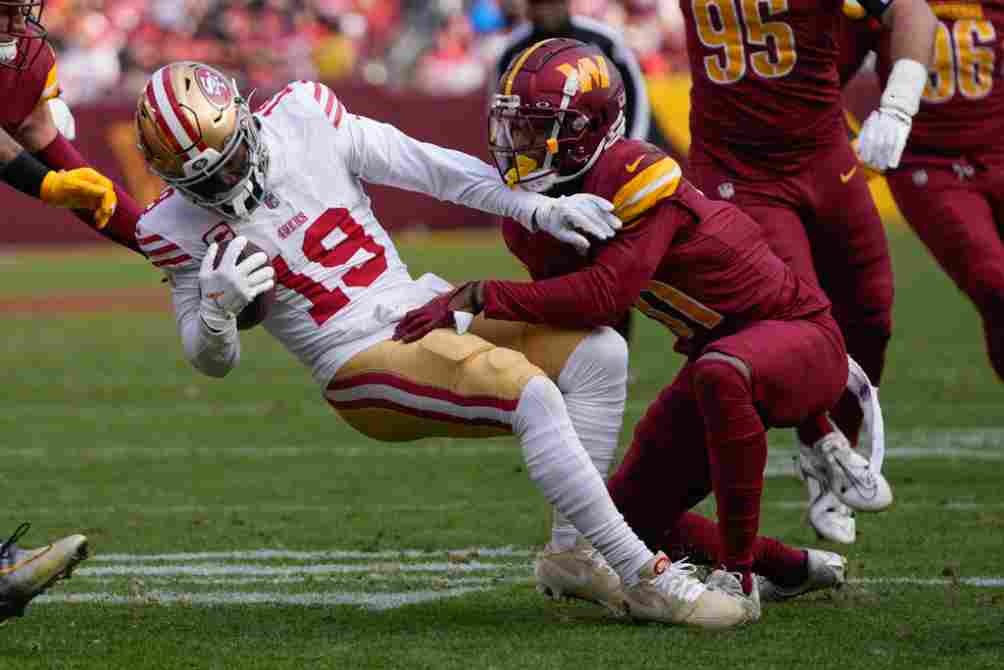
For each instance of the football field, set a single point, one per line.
(237, 524)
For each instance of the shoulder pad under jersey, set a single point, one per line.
(634, 176)
(174, 234)
(305, 100)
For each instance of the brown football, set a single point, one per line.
(258, 309)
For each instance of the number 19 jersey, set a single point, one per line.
(340, 283)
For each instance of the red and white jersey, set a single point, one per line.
(340, 283)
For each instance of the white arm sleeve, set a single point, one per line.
(212, 353)
(381, 154)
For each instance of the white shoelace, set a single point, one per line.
(678, 581)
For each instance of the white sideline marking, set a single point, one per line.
(373, 601)
(287, 554)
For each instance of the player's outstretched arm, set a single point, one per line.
(76, 189)
(117, 217)
(885, 132)
(597, 295)
(913, 26)
(380, 153)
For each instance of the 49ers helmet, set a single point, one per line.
(20, 20)
(559, 105)
(197, 133)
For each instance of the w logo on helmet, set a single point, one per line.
(592, 72)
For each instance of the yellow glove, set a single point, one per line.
(82, 188)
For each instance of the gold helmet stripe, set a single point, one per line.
(519, 64)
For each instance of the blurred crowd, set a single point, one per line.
(442, 47)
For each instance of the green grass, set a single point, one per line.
(106, 429)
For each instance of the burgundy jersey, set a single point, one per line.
(699, 266)
(962, 109)
(23, 91)
(766, 91)
(855, 38)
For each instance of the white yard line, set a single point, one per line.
(374, 601)
(291, 555)
(372, 579)
(220, 569)
(980, 582)
(334, 577)
(379, 601)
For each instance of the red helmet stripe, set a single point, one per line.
(195, 137)
(158, 117)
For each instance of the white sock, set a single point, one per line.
(562, 470)
(594, 384)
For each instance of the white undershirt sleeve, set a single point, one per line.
(381, 154)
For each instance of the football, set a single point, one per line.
(258, 309)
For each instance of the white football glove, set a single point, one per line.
(884, 134)
(229, 288)
(570, 218)
(883, 138)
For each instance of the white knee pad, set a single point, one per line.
(599, 362)
(594, 383)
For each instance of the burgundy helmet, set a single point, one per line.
(19, 20)
(559, 105)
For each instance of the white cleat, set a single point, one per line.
(831, 519)
(579, 573)
(731, 583)
(668, 593)
(845, 472)
(826, 571)
(26, 573)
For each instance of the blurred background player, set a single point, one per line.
(290, 178)
(950, 182)
(762, 347)
(768, 135)
(35, 158)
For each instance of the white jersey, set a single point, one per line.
(340, 283)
